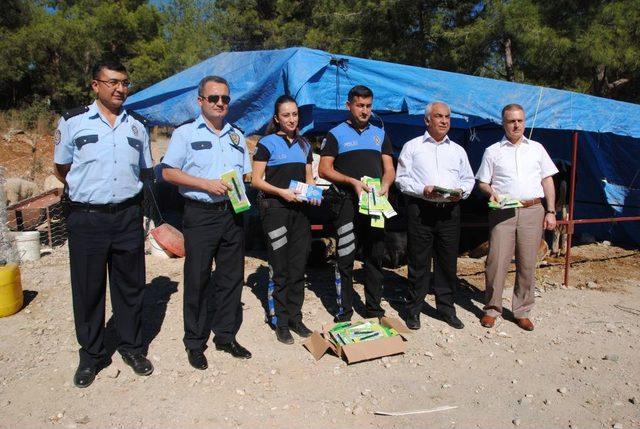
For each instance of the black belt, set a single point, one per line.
(439, 205)
(106, 208)
(219, 206)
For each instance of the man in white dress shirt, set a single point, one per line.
(516, 168)
(427, 164)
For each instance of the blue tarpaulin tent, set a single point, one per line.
(609, 131)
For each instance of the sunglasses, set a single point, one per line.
(213, 99)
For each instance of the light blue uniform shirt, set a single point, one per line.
(105, 161)
(198, 151)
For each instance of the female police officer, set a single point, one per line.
(281, 156)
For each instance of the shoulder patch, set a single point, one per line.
(138, 117)
(236, 127)
(324, 143)
(235, 138)
(57, 137)
(68, 114)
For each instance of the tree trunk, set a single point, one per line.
(601, 85)
(508, 59)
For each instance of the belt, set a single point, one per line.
(219, 206)
(106, 208)
(439, 205)
(531, 202)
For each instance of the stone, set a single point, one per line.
(592, 285)
(563, 390)
(516, 422)
(357, 410)
(617, 425)
(611, 357)
(634, 400)
(83, 420)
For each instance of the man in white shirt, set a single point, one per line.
(427, 164)
(520, 169)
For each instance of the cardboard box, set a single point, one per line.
(318, 344)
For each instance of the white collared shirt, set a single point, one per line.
(425, 162)
(516, 170)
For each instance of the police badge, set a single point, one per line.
(377, 140)
(134, 130)
(235, 138)
(57, 137)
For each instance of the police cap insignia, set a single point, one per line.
(235, 138)
(134, 130)
(57, 137)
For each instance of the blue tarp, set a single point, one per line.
(609, 130)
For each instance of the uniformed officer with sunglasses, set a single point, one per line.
(102, 155)
(199, 153)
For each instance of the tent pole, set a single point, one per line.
(570, 223)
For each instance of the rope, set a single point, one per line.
(533, 125)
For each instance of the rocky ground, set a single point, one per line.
(579, 368)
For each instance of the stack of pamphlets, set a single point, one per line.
(444, 194)
(505, 202)
(374, 205)
(237, 194)
(306, 192)
(351, 333)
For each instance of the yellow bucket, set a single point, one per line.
(10, 290)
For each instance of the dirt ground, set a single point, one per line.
(578, 369)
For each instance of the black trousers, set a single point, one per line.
(433, 234)
(354, 229)
(101, 243)
(212, 232)
(288, 236)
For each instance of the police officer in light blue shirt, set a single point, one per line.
(102, 154)
(197, 156)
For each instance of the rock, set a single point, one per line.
(519, 361)
(112, 372)
(617, 425)
(445, 386)
(633, 400)
(580, 361)
(563, 390)
(516, 422)
(503, 334)
(611, 357)
(606, 243)
(357, 410)
(592, 285)
(240, 392)
(83, 420)
(429, 354)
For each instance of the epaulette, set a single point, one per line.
(68, 114)
(138, 117)
(188, 121)
(236, 127)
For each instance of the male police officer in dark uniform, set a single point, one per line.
(198, 154)
(350, 151)
(101, 153)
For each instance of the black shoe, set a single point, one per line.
(234, 349)
(413, 322)
(138, 362)
(283, 335)
(341, 318)
(453, 321)
(84, 376)
(301, 329)
(197, 359)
